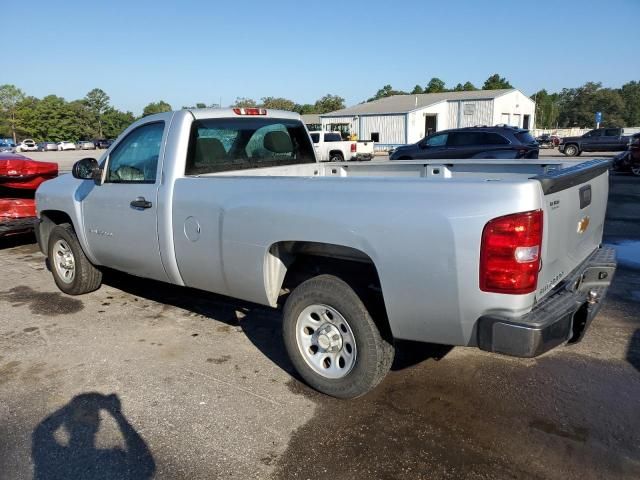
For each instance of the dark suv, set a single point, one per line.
(471, 142)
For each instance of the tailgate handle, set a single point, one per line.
(140, 202)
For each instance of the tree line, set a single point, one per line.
(54, 118)
(437, 85)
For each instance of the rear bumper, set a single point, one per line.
(360, 157)
(564, 316)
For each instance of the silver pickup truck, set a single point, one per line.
(497, 254)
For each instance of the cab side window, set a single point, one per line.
(135, 159)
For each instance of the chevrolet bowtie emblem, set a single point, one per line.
(583, 225)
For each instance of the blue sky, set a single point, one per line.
(192, 51)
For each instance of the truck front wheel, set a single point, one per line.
(72, 271)
(331, 339)
(571, 150)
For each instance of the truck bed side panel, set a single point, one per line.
(425, 248)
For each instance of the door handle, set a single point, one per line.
(140, 202)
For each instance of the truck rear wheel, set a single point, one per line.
(72, 271)
(331, 339)
(336, 157)
(571, 150)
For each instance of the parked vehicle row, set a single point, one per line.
(29, 145)
(506, 256)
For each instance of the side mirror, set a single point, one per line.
(86, 169)
(423, 144)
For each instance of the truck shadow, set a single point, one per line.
(63, 445)
(261, 325)
(18, 240)
(633, 350)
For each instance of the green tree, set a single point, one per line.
(278, 103)
(156, 107)
(10, 97)
(97, 101)
(329, 103)
(496, 82)
(435, 85)
(386, 91)
(244, 102)
(547, 108)
(116, 121)
(304, 108)
(417, 90)
(578, 106)
(630, 93)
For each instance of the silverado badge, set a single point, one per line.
(583, 225)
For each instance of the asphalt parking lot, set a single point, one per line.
(142, 380)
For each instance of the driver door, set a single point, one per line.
(120, 216)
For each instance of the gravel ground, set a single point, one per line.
(143, 380)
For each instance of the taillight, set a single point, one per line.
(353, 148)
(250, 111)
(510, 253)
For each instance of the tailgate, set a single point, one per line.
(364, 146)
(574, 204)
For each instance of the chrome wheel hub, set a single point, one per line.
(325, 341)
(64, 261)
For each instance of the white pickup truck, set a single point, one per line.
(330, 147)
(502, 255)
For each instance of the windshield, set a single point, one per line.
(225, 144)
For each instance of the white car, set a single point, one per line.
(66, 146)
(27, 145)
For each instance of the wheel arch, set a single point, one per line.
(48, 220)
(289, 263)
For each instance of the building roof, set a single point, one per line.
(311, 119)
(408, 103)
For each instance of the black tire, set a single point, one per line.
(635, 170)
(336, 157)
(374, 354)
(86, 277)
(571, 150)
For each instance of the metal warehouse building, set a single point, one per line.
(403, 119)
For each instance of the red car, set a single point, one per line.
(19, 178)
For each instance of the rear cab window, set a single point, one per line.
(332, 137)
(227, 144)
